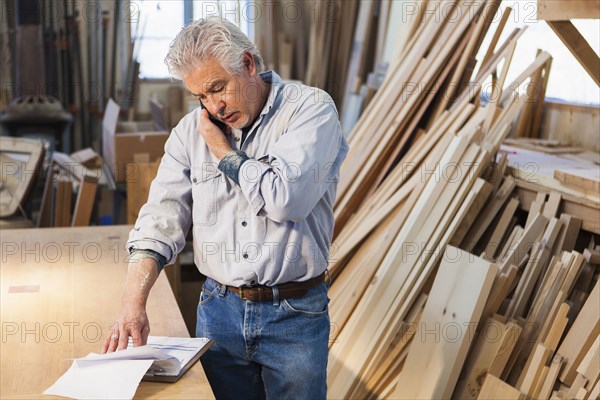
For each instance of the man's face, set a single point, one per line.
(233, 99)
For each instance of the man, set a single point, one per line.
(259, 196)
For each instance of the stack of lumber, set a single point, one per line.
(70, 177)
(432, 252)
(569, 171)
(337, 45)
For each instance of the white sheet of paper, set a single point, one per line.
(111, 379)
(117, 375)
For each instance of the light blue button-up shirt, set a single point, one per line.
(276, 225)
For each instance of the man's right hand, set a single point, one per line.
(132, 322)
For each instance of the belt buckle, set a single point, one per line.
(242, 293)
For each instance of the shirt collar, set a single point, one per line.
(276, 84)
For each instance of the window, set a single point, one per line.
(568, 80)
(155, 23)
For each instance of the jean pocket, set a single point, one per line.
(207, 294)
(313, 304)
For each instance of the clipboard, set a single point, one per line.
(156, 377)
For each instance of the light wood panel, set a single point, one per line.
(447, 325)
(60, 292)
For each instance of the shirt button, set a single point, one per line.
(195, 180)
(244, 223)
(253, 282)
(245, 255)
(237, 139)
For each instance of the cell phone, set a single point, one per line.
(220, 124)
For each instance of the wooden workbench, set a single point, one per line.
(60, 293)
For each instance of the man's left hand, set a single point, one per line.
(213, 136)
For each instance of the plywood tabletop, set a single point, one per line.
(60, 291)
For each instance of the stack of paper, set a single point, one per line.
(117, 375)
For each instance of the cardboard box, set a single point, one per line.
(128, 145)
(128, 142)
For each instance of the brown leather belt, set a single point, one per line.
(288, 290)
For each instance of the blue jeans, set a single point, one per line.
(272, 349)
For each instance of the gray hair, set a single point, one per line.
(212, 37)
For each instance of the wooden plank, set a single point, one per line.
(488, 356)
(495, 389)
(488, 214)
(517, 254)
(552, 10)
(590, 365)
(58, 193)
(532, 372)
(540, 382)
(138, 187)
(551, 376)
(578, 46)
(535, 267)
(483, 190)
(550, 208)
(537, 169)
(397, 350)
(578, 384)
(500, 291)
(500, 231)
(595, 392)
(496, 36)
(581, 394)
(457, 299)
(568, 233)
(347, 289)
(62, 203)
(47, 207)
(585, 179)
(85, 203)
(536, 208)
(511, 242)
(558, 327)
(592, 256)
(581, 336)
(578, 207)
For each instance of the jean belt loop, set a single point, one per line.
(222, 290)
(275, 295)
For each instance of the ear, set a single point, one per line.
(249, 64)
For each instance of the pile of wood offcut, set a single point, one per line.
(443, 285)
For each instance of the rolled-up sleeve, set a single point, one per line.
(288, 183)
(163, 222)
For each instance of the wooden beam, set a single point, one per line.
(578, 46)
(553, 10)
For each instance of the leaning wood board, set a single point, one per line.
(581, 336)
(495, 389)
(452, 312)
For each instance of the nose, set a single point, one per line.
(215, 104)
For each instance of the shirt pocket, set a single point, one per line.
(205, 190)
